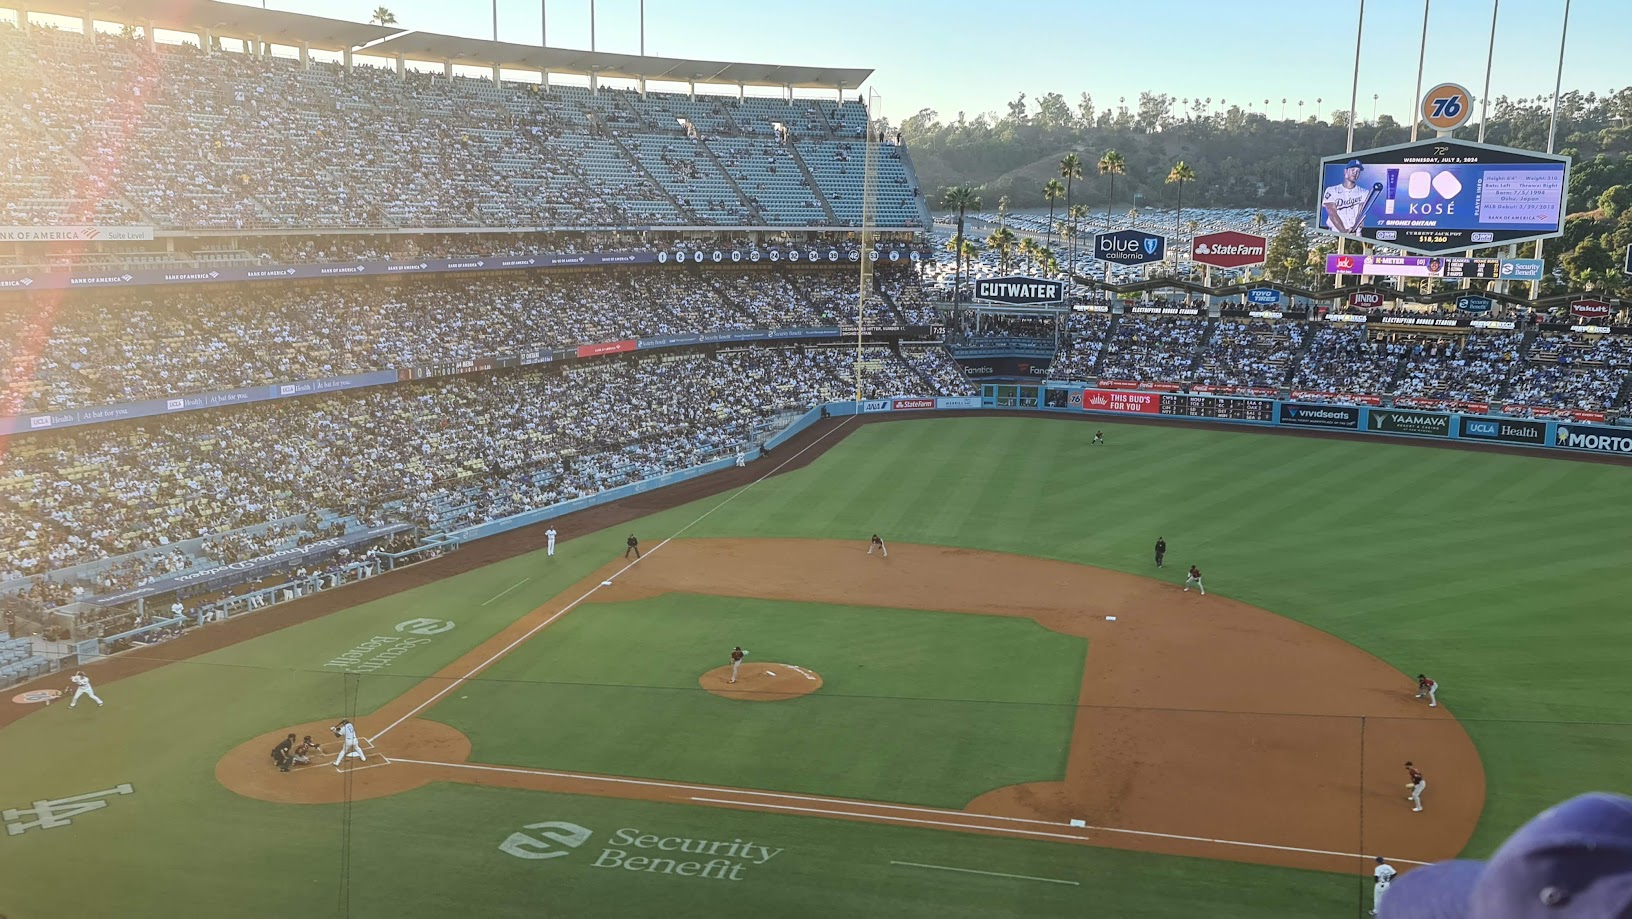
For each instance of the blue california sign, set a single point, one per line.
(1130, 247)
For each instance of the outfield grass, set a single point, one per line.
(916, 707)
(1496, 574)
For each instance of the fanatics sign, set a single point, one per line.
(1228, 249)
(1018, 290)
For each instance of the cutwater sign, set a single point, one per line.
(1472, 304)
(1130, 247)
(1263, 296)
(1019, 290)
(1598, 440)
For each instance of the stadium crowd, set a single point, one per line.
(239, 142)
(439, 453)
(92, 348)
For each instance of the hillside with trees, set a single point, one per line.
(1240, 157)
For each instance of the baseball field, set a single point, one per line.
(1014, 713)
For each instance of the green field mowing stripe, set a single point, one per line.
(916, 707)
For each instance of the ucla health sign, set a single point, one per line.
(1130, 247)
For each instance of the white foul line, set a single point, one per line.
(589, 593)
(995, 874)
(506, 590)
(1078, 837)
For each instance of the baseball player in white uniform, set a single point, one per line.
(549, 536)
(1384, 873)
(1343, 202)
(82, 687)
(348, 737)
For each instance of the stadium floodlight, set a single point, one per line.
(869, 217)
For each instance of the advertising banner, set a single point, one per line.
(1345, 417)
(243, 570)
(985, 367)
(1228, 249)
(876, 405)
(1115, 400)
(1590, 309)
(1504, 430)
(610, 347)
(1393, 421)
(902, 405)
(957, 402)
(1130, 247)
(1596, 439)
(1366, 300)
(1472, 304)
(1443, 195)
(1019, 290)
(1521, 269)
(1263, 296)
(80, 233)
(193, 402)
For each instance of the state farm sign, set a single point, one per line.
(1590, 309)
(1228, 249)
(1366, 299)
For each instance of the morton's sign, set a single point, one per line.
(1018, 290)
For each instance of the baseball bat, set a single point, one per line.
(1360, 221)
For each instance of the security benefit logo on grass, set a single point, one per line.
(382, 651)
(630, 849)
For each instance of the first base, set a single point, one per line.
(1110, 618)
(606, 583)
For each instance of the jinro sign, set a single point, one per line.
(631, 849)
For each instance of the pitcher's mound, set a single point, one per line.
(762, 681)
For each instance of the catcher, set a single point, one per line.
(303, 753)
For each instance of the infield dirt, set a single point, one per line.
(1204, 726)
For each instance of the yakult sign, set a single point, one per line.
(1228, 249)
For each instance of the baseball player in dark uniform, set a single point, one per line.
(737, 655)
(1099, 437)
(1429, 688)
(281, 753)
(1161, 550)
(1418, 784)
(877, 542)
(1194, 578)
(634, 546)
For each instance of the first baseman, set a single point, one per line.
(736, 661)
(549, 536)
(82, 687)
(1384, 873)
(1427, 687)
(1194, 578)
(1418, 784)
(348, 736)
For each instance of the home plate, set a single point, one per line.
(1110, 618)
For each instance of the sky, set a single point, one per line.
(976, 55)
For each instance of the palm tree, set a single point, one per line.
(1112, 165)
(383, 17)
(1003, 211)
(1133, 215)
(1070, 171)
(1178, 175)
(1259, 219)
(1077, 213)
(1052, 192)
(962, 198)
(1047, 262)
(1002, 241)
(1028, 247)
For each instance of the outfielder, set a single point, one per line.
(549, 542)
(1344, 202)
(1427, 687)
(1384, 873)
(737, 655)
(1194, 578)
(1418, 784)
(878, 544)
(82, 687)
(348, 737)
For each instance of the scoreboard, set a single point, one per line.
(1473, 269)
(1226, 407)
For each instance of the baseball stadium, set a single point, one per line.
(444, 476)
